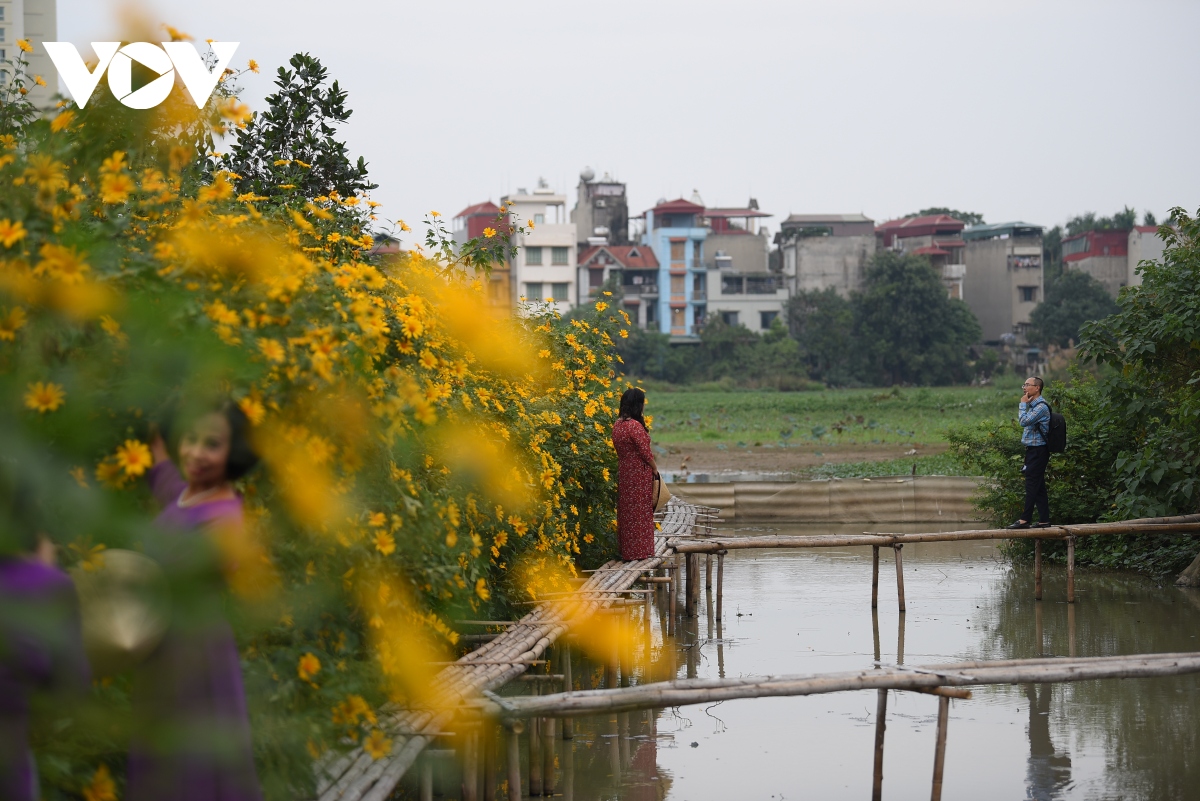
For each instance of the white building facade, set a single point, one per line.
(545, 265)
(37, 22)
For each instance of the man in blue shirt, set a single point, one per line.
(1034, 417)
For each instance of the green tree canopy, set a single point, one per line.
(969, 217)
(290, 148)
(1073, 298)
(823, 322)
(907, 329)
(1121, 221)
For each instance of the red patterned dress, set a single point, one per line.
(635, 490)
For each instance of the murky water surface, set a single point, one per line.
(809, 611)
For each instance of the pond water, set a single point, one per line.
(804, 611)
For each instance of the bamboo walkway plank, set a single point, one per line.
(357, 777)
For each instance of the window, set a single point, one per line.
(677, 285)
(3, 33)
(1, 13)
(699, 312)
(677, 251)
(539, 219)
(1028, 294)
(731, 285)
(789, 261)
(560, 292)
(533, 257)
(760, 285)
(651, 313)
(766, 318)
(558, 256)
(696, 254)
(729, 318)
(533, 292)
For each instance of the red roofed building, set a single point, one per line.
(1104, 255)
(937, 237)
(635, 267)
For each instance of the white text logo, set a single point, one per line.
(171, 58)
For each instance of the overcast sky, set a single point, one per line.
(1019, 110)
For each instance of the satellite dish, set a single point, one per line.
(587, 174)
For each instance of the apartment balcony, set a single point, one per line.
(640, 290)
(954, 272)
(699, 296)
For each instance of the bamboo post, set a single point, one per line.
(548, 749)
(568, 724)
(875, 578)
(720, 582)
(427, 778)
(1071, 630)
(880, 728)
(900, 640)
(614, 753)
(875, 631)
(720, 649)
(535, 750)
(470, 776)
(568, 788)
(1038, 630)
(708, 571)
(514, 759)
(623, 740)
(1071, 569)
(488, 735)
(1037, 570)
(693, 584)
(672, 589)
(939, 753)
(708, 612)
(898, 547)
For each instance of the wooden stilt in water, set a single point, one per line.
(488, 743)
(426, 778)
(720, 582)
(875, 631)
(1071, 630)
(875, 577)
(470, 775)
(900, 640)
(693, 584)
(614, 753)
(514, 759)
(1037, 570)
(672, 590)
(1071, 570)
(535, 750)
(708, 571)
(720, 650)
(898, 547)
(880, 727)
(568, 788)
(939, 754)
(1038, 630)
(548, 755)
(623, 739)
(568, 725)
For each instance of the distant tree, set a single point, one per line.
(1148, 219)
(1072, 299)
(907, 330)
(822, 322)
(1121, 221)
(292, 144)
(968, 217)
(1052, 254)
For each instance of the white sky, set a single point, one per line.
(1017, 109)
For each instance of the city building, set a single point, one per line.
(635, 267)
(1104, 255)
(675, 232)
(938, 237)
(1004, 277)
(1144, 245)
(823, 251)
(468, 224)
(36, 21)
(737, 284)
(601, 213)
(544, 267)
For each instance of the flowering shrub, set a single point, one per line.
(426, 457)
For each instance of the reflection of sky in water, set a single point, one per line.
(809, 611)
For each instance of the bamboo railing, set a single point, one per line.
(356, 776)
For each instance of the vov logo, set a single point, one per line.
(171, 58)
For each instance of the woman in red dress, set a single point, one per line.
(635, 478)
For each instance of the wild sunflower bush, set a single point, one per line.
(426, 457)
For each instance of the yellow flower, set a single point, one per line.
(25, 45)
(385, 543)
(11, 323)
(102, 787)
(134, 457)
(601, 306)
(411, 327)
(253, 65)
(624, 334)
(43, 398)
(253, 408)
(435, 214)
(481, 589)
(428, 360)
(46, 173)
(272, 349)
(39, 80)
(62, 263)
(377, 745)
(377, 520)
(308, 666)
(115, 188)
(489, 232)
(62, 121)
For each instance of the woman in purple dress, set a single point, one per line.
(41, 647)
(192, 730)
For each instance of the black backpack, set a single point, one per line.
(1056, 431)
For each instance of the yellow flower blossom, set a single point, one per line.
(11, 232)
(271, 349)
(308, 666)
(134, 457)
(12, 322)
(253, 408)
(101, 787)
(62, 121)
(601, 306)
(115, 188)
(489, 232)
(377, 745)
(61, 263)
(385, 543)
(252, 66)
(25, 46)
(481, 589)
(44, 397)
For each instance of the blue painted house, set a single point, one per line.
(675, 231)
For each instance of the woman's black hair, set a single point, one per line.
(633, 401)
(242, 458)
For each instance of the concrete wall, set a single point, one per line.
(920, 499)
(37, 21)
(992, 284)
(819, 262)
(1111, 271)
(747, 251)
(1143, 246)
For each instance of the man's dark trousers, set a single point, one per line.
(1036, 459)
